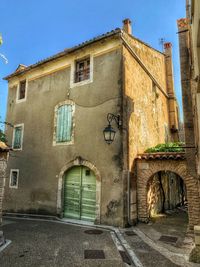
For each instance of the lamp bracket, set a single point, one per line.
(116, 118)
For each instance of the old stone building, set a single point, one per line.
(62, 163)
(4, 150)
(189, 43)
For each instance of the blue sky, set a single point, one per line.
(33, 30)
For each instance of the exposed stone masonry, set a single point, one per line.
(147, 168)
(3, 165)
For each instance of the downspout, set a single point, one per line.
(128, 199)
(125, 145)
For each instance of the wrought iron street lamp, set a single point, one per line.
(109, 132)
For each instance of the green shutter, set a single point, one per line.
(17, 137)
(64, 124)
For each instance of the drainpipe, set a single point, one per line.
(128, 198)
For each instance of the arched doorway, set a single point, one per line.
(79, 162)
(79, 192)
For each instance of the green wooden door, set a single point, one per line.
(80, 194)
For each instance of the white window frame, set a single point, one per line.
(73, 69)
(71, 142)
(11, 171)
(17, 95)
(22, 136)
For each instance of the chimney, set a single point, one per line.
(172, 104)
(169, 68)
(127, 26)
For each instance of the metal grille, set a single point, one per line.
(93, 232)
(125, 257)
(168, 239)
(94, 254)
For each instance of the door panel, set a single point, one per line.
(80, 194)
(72, 196)
(88, 206)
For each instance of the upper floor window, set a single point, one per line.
(17, 137)
(14, 174)
(22, 90)
(82, 70)
(64, 123)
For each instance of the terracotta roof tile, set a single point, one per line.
(3, 147)
(23, 68)
(162, 156)
(63, 53)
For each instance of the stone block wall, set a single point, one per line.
(3, 165)
(185, 64)
(147, 107)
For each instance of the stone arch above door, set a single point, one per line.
(147, 167)
(79, 162)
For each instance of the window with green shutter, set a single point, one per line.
(17, 141)
(64, 124)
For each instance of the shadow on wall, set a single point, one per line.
(165, 191)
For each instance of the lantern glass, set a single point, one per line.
(109, 134)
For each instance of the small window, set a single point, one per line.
(14, 174)
(64, 124)
(82, 70)
(87, 172)
(17, 138)
(22, 90)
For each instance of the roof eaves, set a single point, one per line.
(65, 52)
(142, 42)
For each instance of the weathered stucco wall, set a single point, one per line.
(40, 162)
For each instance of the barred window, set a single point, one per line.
(82, 70)
(14, 174)
(22, 90)
(17, 138)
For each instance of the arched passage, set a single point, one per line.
(61, 181)
(166, 191)
(148, 166)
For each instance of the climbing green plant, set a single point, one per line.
(2, 136)
(167, 147)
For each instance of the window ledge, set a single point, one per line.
(76, 84)
(17, 149)
(20, 100)
(63, 143)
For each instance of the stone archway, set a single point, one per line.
(148, 166)
(79, 162)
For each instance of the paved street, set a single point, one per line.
(41, 244)
(148, 256)
(53, 244)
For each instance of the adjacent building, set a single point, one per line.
(4, 152)
(67, 108)
(189, 43)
